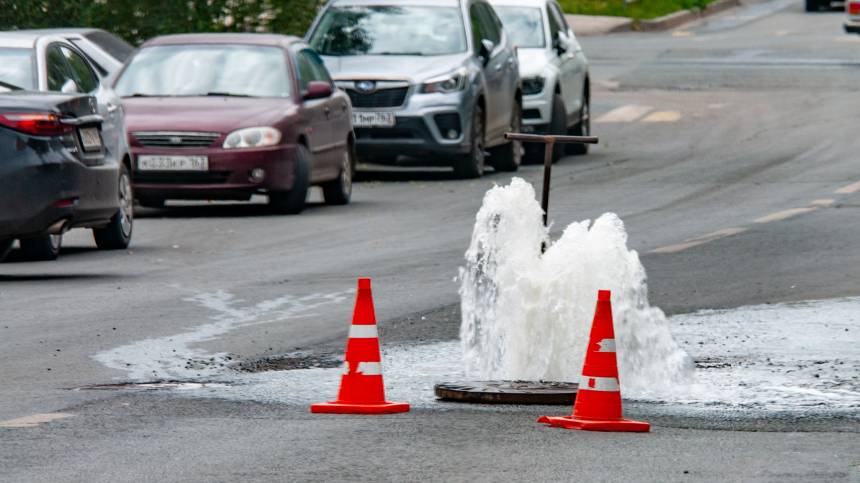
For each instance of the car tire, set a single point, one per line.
(151, 202)
(471, 165)
(583, 127)
(117, 234)
(812, 5)
(5, 248)
(558, 125)
(292, 202)
(339, 191)
(508, 157)
(41, 248)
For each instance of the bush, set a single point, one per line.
(138, 20)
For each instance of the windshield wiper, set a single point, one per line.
(10, 86)
(226, 94)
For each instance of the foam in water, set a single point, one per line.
(528, 315)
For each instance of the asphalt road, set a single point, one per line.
(706, 129)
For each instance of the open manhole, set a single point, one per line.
(508, 392)
(152, 386)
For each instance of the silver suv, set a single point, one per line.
(427, 79)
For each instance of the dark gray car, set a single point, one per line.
(427, 79)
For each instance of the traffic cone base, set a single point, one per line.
(352, 408)
(598, 398)
(569, 422)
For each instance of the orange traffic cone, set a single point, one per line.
(361, 389)
(598, 399)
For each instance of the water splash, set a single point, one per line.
(528, 316)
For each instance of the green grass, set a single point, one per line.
(639, 9)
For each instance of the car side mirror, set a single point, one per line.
(69, 87)
(487, 47)
(317, 90)
(558, 45)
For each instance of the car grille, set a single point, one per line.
(176, 139)
(380, 99)
(176, 178)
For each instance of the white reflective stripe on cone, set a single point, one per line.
(609, 384)
(607, 345)
(369, 368)
(363, 332)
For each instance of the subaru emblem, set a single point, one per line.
(365, 87)
(175, 140)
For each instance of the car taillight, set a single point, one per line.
(38, 124)
(854, 8)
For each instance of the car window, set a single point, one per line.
(114, 46)
(491, 29)
(58, 72)
(559, 17)
(80, 45)
(81, 72)
(320, 73)
(554, 27)
(524, 25)
(204, 69)
(478, 33)
(304, 69)
(17, 69)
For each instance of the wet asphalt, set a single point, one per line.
(767, 124)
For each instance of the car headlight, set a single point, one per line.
(252, 137)
(452, 82)
(533, 85)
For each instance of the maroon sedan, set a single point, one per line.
(225, 116)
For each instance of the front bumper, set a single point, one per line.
(228, 176)
(424, 127)
(852, 26)
(537, 108)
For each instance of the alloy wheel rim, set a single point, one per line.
(125, 207)
(584, 119)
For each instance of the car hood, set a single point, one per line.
(533, 61)
(202, 114)
(415, 68)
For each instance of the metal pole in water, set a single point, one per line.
(549, 142)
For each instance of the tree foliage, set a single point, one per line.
(138, 20)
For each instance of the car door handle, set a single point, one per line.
(343, 107)
(112, 108)
(327, 112)
(498, 67)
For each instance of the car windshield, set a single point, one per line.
(16, 70)
(390, 30)
(524, 25)
(115, 47)
(199, 70)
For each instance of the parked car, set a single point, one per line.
(225, 116)
(105, 51)
(83, 161)
(554, 73)
(426, 79)
(852, 23)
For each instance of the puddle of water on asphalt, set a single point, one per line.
(528, 315)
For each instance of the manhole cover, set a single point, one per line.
(508, 392)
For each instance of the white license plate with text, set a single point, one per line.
(91, 140)
(172, 163)
(373, 119)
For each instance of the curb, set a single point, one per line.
(673, 20)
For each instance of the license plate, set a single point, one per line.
(90, 139)
(373, 119)
(172, 163)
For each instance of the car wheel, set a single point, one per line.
(117, 234)
(151, 202)
(40, 248)
(471, 165)
(293, 202)
(339, 191)
(5, 248)
(509, 156)
(583, 127)
(813, 5)
(558, 125)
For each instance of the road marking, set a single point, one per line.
(848, 189)
(663, 116)
(781, 33)
(781, 215)
(682, 33)
(628, 113)
(33, 420)
(698, 241)
(822, 203)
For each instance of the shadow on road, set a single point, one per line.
(41, 277)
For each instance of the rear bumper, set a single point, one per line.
(37, 175)
(228, 177)
(852, 26)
